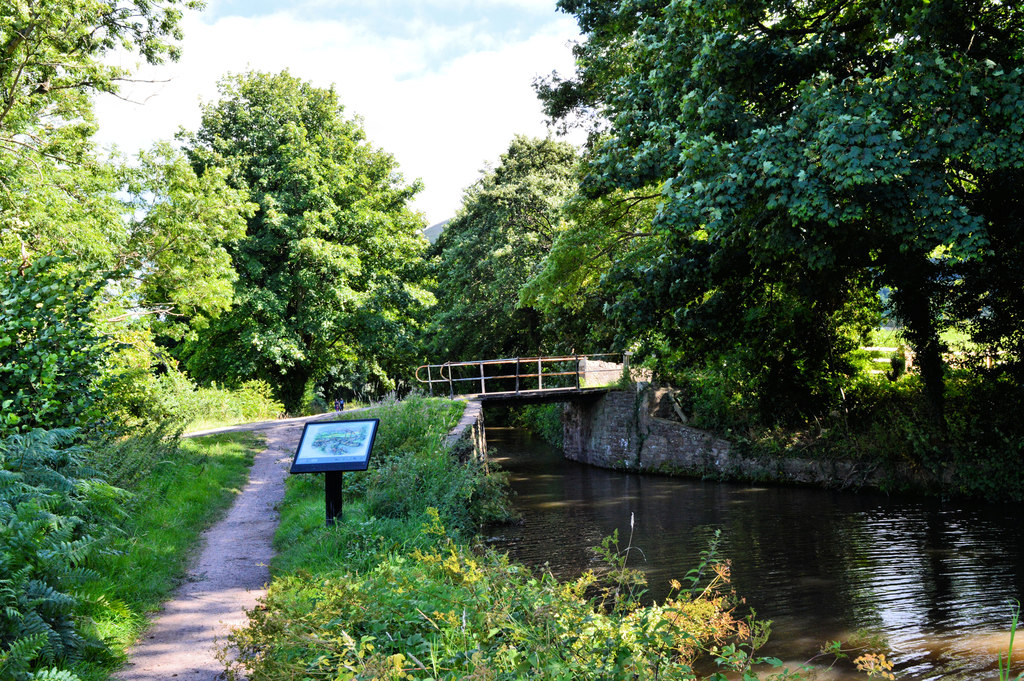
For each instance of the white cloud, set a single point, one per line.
(441, 122)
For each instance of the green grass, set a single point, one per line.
(170, 508)
(892, 338)
(207, 408)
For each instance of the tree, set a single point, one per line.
(829, 144)
(54, 60)
(506, 225)
(154, 228)
(180, 226)
(329, 271)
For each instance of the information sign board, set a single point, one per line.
(335, 446)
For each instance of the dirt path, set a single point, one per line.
(229, 576)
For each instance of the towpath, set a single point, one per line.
(229, 575)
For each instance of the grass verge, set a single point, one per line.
(184, 493)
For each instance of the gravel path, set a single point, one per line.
(229, 576)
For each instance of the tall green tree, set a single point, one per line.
(496, 243)
(329, 273)
(154, 228)
(813, 145)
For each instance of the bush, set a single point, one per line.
(413, 468)
(434, 609)
(197, 407)
(50, 351)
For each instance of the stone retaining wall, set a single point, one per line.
(625, 429)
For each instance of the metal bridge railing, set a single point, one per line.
(519, 375)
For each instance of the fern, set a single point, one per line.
(15, 661)
(50, 501)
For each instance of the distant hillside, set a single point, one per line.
(434, 231)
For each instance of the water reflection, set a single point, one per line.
(935, 580)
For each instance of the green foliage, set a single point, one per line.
(56, 56)
(543, 420)
(1004, 665)
(800, 168)
(598, 233)
(177, 244)
(329, 269)
(883, 424)
(413, 469)
(430, 608)
(82, 562)
(183, 488)
(50, 350)
(198, 407)
(507, 224)
(51, 507)
(155, 230)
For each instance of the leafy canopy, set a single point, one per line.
(55, 57)
(506, 226)
(329, 270)
(829, 148)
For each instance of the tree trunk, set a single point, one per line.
(292, 389)
(913, 307)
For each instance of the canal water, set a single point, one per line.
(935, 580)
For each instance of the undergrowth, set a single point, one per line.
(93, 535)
(395, 590)
(883, 423)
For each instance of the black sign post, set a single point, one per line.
(331, 448)
(333, 499)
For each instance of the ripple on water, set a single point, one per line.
(935, 580)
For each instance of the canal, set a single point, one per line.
(935, 580)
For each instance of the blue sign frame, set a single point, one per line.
(335, 446)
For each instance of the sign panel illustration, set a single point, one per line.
(335, 446)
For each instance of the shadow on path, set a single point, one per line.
(230, 574)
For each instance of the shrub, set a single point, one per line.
(413, 468)
(50, 351)
(196, 407)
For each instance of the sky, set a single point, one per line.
(443, 85)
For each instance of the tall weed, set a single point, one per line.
(432, 608)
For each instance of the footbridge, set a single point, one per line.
(525, 380)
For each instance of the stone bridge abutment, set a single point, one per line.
(638, 430)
